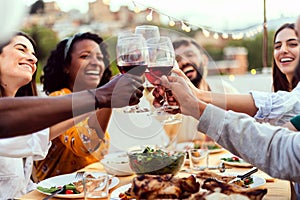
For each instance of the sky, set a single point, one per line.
(219, 14)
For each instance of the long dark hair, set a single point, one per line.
(30, 88)
(280, 81)
(54, 77)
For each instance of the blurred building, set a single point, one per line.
(101, 20)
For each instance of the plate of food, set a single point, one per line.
(117, 193)
(233, 160)
(73, 187)
(158, 187)
(212, 147)
(249, 182)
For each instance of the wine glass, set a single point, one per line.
(161, 61)
(132, 58)
(148, 32)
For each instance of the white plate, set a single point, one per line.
(115, 194)
(70, 178)
(216, 150)
(184, 146)
(189, 145)
(241, 162)
(117, 164)
(257, 181)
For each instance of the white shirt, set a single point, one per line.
(16, 159)
(277, 108)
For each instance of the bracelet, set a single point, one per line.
(97, 103)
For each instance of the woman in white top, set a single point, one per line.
(17, 78)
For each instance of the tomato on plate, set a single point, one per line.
(69, 192)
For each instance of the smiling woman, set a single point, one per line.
(17, 78)
(78, 63)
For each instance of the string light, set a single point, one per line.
(106, 2)
(187, 29)
(207, 32)
(183, 26)
(171, 22)
(216, 36)
(225, 36)
(136, 8)
(149, 17)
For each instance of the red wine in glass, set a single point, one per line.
(135, 69)
(156, 72)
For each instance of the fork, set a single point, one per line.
(79, 175)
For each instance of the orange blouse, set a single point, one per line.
(78, 147)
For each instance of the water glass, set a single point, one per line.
(198, 159)
(96, 187)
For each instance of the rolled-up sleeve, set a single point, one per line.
(35, 145)
(276, 108)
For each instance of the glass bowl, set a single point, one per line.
(156, 161)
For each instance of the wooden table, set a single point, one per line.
(277, 189)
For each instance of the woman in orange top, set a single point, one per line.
(78, 63)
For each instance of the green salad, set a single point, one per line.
(155, 161)
(209, 147)
(67, 189)
(232, 159)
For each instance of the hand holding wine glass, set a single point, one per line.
(132, 58)
(148, 32)
(161, 61)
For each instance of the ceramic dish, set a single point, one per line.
(239, 163)
(70, 178)
(117, 164)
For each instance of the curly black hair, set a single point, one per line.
(55, 78)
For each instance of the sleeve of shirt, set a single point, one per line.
(272, 149)
(276, 108)
(35, 145)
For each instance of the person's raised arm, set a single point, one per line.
(237, 102)
(25, 115)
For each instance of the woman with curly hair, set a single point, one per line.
(80, 62)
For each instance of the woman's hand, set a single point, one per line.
(189, 104)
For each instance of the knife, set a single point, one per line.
(242, 176)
